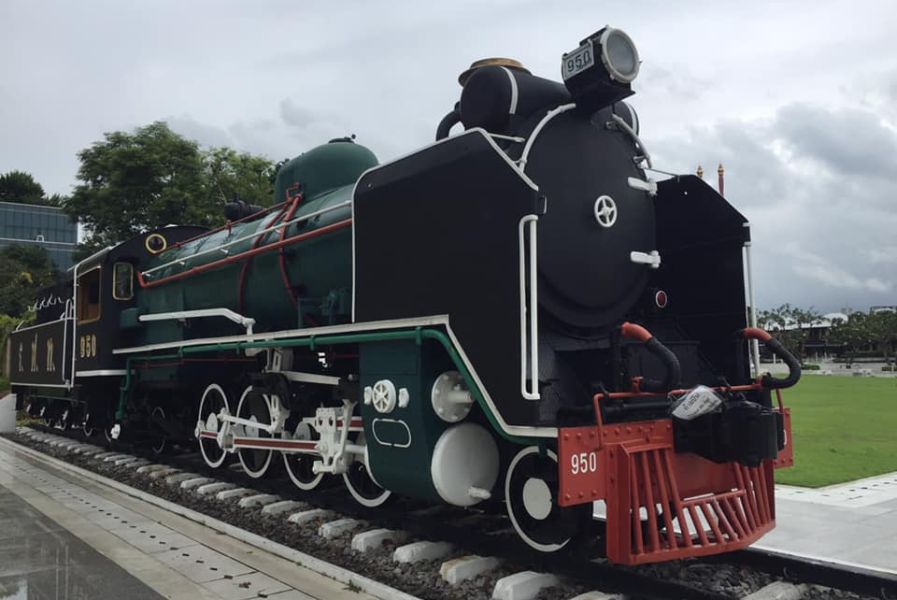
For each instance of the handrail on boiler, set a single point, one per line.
(181, 315)
(265, 231)
(531, 310)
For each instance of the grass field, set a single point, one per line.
(844, 428)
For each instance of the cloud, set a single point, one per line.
(819, 269)
(886, 255)
(847, 142)
(818, 186)
(203, 133)
(295, 115)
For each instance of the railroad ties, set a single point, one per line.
(456, 567)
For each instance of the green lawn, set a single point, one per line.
(844, 428)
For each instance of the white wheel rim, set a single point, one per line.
(88, 430)
(368, 502)
(240, 453)
(202, 403)
(529, 541)
(303, 432)
(161, 447)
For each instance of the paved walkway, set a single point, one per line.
(41, 559)
(65, 538)
(853, 522)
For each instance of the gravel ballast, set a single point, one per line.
(421, 578)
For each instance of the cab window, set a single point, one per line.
(89, 296)
(123, 281)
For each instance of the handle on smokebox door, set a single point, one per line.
(776, 347)
(665, 355)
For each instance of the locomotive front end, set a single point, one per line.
(683, 440)
(634, 337)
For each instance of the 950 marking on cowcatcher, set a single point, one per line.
(584, 462)
(579, 466)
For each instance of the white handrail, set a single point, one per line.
(71, 381)
(622, 124)
(524, 156)
(181, 315)
(65, 332)
(529, 342)
(265, 231)
(752, 320)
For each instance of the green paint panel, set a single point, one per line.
(324, 168)
(400, 443)
(318, 269)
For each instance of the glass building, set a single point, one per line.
(45, 226)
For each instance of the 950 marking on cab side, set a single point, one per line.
(580, 475)
(577, 61)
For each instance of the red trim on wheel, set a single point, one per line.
(241, 442)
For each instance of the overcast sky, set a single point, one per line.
(797, 99)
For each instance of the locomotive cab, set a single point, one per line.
(64, 363)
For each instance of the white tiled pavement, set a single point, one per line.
(176, 557)
(853, 522)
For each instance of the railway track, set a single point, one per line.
(439, 551)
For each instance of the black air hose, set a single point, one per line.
(447, 122)
(665, 355)
(776, 347)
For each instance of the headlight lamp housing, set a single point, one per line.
(599, 72)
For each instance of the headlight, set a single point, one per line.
(619, 55)
(599, 71)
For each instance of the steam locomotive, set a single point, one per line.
(513, 317)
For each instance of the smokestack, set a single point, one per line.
(700, 172)
(720, 172)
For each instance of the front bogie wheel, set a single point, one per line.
(531, 487)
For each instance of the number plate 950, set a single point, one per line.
(579, 466)
(577, 61)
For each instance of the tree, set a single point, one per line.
(230, 174)
(854, 333)
(24, 270)
(882, 327)
(19, 186)
(133, 182)
(789, 324)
